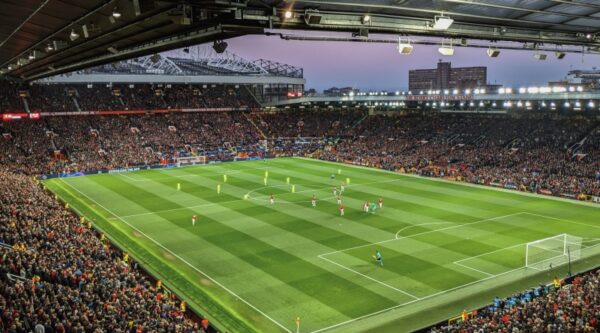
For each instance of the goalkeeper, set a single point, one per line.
(378, 258)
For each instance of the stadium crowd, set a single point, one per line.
(16, 97)
(560, 307)
(65, 277)
(545, 155)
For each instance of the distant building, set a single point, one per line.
(335, 91)
(588, 79)
(446, 77)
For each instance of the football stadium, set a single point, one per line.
(169, 166)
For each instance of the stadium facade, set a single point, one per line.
(268, 81)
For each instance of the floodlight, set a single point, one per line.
(404, 46)
(288, 14)
(366, 19)
(219, 46)
(49, 47)
(493, 52)
(74, 35)
(312, 16)
(446, 50)
(116, 13)
(442, 22)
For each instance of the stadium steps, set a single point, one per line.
(359, 121)
(76, 102)
(512, 143)
(580, 142)
(262, 134)
(25, 104)
(251, 94)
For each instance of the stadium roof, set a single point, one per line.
(40, 38)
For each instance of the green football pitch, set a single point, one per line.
(253, 266)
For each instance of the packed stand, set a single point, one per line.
(571, 307)
(57, 274)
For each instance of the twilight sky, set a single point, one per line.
(371, 66)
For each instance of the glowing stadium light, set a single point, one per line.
(522, 90)
(421, 92)
(482, 90)
(404, 46)
(494, 105)
(471, 104)
(455, 92)
(545, 90)
(501, 91)
(508, 90)
(427, 104)
(476, 91)
(467, 91)
(493, 52)
(591, 104)
(533, 90)
(553, 106)
(507, 104)
(366, 19)
(578, 104)
(442, 22)
(528, 104)
(446, 92)
(351, 94)
(480, 104)
(116, 13)
(74, 35)
(571, 89)
(49, 47)
(287, 14)
(519, 104)
(543, 104)
(579, 89)
(559, 89)
(462, 104)
(567, 104)
(446, 50)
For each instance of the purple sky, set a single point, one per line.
(379, 66)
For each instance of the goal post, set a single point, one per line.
(552, 251)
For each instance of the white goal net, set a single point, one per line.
(552, 251)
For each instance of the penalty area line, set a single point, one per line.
(180, 258)
(370, 278)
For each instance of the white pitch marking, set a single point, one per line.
(424, 233)
(472, 268)
(180, 258)
(372, 279)
(419, 225)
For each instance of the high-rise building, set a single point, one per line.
(446, 77)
